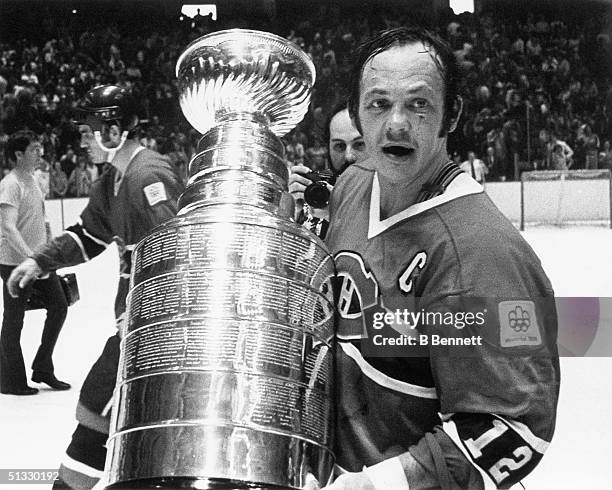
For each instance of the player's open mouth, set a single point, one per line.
(397, 151)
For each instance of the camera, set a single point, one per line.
(317, 193)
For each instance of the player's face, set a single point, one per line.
(346, 145)
(89, 144)
(401, 108)
(109, 137)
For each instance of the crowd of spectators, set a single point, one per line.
(530, 84)
(530, 81)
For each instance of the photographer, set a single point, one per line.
(345, 146)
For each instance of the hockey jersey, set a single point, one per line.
(477, 386)
(123, 209)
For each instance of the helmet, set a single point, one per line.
(107, 103)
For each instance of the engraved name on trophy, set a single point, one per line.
(225, 375)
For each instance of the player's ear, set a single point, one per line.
(455, 114)
(114, 133)
(134, 120)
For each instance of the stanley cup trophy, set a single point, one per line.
(225, 375)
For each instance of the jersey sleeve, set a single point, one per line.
(160, 191)
(81, 241)
(494, 359)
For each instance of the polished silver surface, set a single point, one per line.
(227, 187)
(225, 373)
(246, 71)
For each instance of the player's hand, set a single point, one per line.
(298, 181)
(24, 274)
(352, 481)
(311, 483)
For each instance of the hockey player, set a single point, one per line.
(410, 232)
(138, 192)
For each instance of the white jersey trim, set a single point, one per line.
(94, 239)
(462, 185)
(107, 408)
(384, 380)
(136, 152)
(347, 338)
(451, 430)
(76, 238)
(73, 464)
(540, 445)
(91, 237)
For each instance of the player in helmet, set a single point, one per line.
(107, 115)
(138, 191)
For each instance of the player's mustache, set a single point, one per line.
(400, 135)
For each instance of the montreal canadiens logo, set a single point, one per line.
(358, 298)
(357, 288)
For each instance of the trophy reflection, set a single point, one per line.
(225, 375)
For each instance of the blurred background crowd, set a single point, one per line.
(536, 81)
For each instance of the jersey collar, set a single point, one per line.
(119, 174)
(448, 184)
(138, 149)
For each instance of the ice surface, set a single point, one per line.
(34, 431)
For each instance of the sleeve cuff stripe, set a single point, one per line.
(94, 239)
(451, 431)
(540, 445)
(107, 408)
(76, 238)
(79, 467)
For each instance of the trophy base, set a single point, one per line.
(189, 483)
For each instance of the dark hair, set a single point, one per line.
(19, 141)
(441, 54)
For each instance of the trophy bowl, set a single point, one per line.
(225, 377)
(244, 71)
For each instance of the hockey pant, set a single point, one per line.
(83, 464)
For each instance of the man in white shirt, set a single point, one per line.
(23, 230)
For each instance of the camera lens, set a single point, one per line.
(317, 195)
